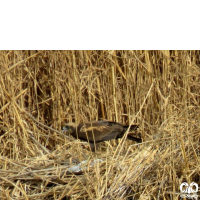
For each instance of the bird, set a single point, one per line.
(98, 131)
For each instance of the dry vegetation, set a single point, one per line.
(157, 89)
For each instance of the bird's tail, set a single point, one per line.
(139, 140)
(132, 128)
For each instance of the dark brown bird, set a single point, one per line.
(99, 131)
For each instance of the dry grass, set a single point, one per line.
(157, 89)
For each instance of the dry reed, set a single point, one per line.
(41, 90)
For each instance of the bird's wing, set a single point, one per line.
(99, 131)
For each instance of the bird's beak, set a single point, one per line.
(64, 130)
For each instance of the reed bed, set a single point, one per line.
(40, 91)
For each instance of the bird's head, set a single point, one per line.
(69, 128)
